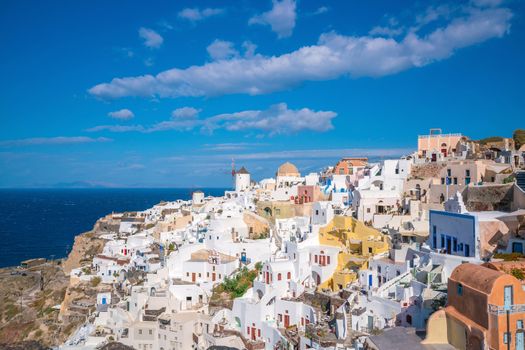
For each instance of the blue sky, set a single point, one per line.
(166, 93)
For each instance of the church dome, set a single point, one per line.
(288, 169)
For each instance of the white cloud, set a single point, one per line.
(180, 124)
(122, 114)
(281, 17)
(321, 10)
(196, 14)
(385, 31)
(151, 38)
(59, 140)
(249, 49)
(230, 146)
(277, 119)
(332, 57)
(324, 153)
(221, 50)
(483, 3)
(185, 113)
(116, 128)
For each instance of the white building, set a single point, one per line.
(242, 180)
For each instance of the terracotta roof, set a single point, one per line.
(242, 171)
(477, 277)
(356, 161)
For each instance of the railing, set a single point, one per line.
(502, 310)
(439, 135)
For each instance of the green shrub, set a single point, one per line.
(509, 256)
(95, 281)
(518, 274)
(519, 138)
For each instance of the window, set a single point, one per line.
(506, 338)
(519, 324)
(455, 181)
(289, 275)
(460, 289)
(368, 210)
(151, 331)
(467, 172)
(317, 212)
(370, 250)
(454, 244)
(279, 276)
(442, 180)
(140, 331)
(442, 241)
(398, 273)
(449, 172)
(467, 180)
(328, 260)
(379, 269)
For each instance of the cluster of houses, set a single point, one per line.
(421, 252)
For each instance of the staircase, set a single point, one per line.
(520, 180)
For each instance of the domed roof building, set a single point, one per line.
(288, 169)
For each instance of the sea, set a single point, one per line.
(38, 223)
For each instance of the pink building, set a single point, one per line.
(436, 145)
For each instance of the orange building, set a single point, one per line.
(349, 166)
(485, 310)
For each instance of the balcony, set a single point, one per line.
(502, 310)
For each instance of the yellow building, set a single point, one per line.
(357, 242)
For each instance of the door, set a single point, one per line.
(253, 333)
(507, 297)
(193, 276)
(370, 280)
(286, 321)
(434, 157)
(520, 343)
(449, 245)
(467, 250)
(213, 277)
(517, 247)
(104, 302)
(370, 323)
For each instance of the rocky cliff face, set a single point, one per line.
(34, 302)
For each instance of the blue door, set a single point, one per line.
(104, 302)
(467, 250)
(520, 341)
(507, 297)
(370, 280)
